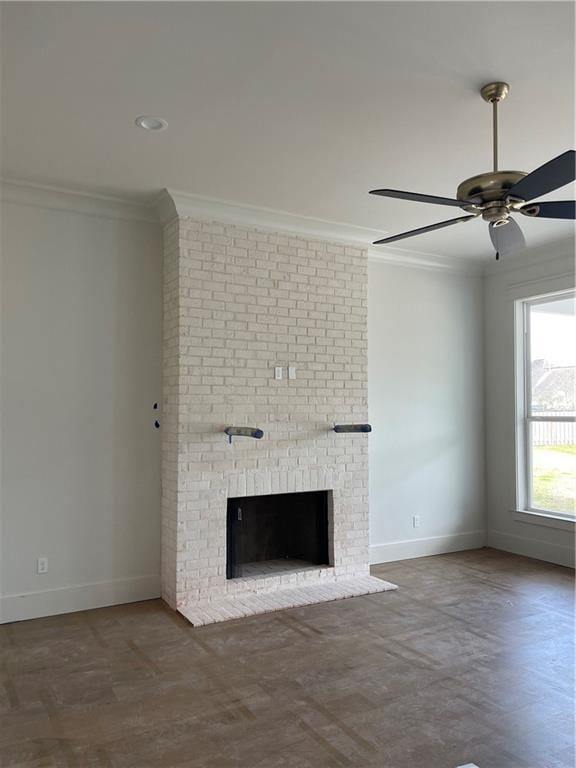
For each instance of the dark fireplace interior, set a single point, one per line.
(279, 532)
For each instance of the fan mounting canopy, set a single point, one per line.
(494, 91)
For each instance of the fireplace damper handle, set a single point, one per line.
(352, 428)
(243, 432)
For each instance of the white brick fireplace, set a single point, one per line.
(240, 301)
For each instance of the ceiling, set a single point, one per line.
(301, 107)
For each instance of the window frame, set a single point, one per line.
(524, 416)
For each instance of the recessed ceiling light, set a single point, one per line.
(148, 123)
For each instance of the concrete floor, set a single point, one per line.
(470, 661)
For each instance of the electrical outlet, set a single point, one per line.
(291, 372)
(278, 373)
(416, 521)
(42, 565)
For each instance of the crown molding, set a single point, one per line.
(556, 252)
(549, 253)
(62, 199)
(172, 203)
(403, 257)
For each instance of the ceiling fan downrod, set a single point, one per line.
(495, 93)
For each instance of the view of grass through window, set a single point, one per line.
(552, 407)
(554, 481)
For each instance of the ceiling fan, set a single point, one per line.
(496, 195)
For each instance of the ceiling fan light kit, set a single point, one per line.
(496, 195)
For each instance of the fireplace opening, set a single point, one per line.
(276, 533)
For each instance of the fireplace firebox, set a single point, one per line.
(277, 532)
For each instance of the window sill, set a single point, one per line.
(541, 518)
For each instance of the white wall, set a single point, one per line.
(535, 274)
(80, 353)
(426, 407)
(80, 364)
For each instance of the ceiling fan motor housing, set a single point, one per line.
(489, 192)
(488, 187)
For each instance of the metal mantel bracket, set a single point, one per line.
(352, 428)
(243, 432)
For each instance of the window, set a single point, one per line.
(547, 398)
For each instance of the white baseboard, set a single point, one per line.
(434, 545)
(560, 554)
(33, 605)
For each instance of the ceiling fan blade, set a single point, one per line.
(555, 209)
(421, 231)
(507, 239)
(418, 198)
(552, 175)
